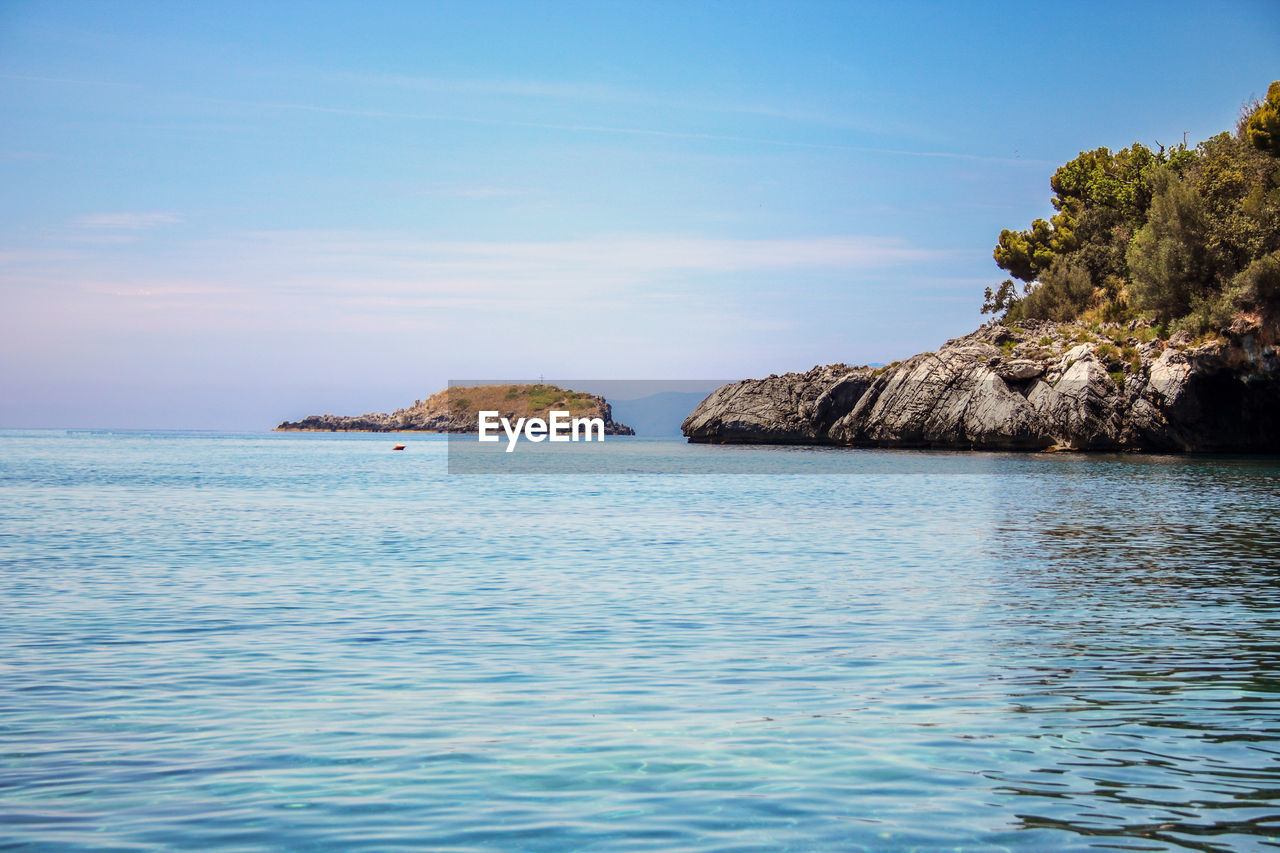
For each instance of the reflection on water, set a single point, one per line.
(309, 642)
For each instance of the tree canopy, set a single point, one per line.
(1186, 236)
(1263, 125)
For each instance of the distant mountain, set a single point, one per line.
(658, 414)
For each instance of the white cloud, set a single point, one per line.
(487, 86)
(476, 192)
(621, 130)
(614, 95)
(607, 258)
(128, 221)
(324, 278)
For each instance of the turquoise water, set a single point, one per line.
(308, 642)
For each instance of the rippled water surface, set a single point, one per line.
(309, 642)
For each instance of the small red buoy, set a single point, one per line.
(398, 447)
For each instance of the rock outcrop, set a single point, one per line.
(1037, 386)
(456, 410)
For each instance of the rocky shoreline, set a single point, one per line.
(1033, 386)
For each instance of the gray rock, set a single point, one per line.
(794, 408)
(1221, 396)
(1080, 410)
(951, 398)
(1019, 370)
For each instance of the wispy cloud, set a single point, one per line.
(330, 265)
(485, 86)
(615, 95)
(536, 89)
(24, 156)
(622, 130)
(478, 192)
(62, 81)
(562, 264)
(128, 221)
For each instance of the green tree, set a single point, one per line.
(1064, 291)
(1239, 186)
(1101, 199)
(1168, 257)
(1099, 178)
(1026, 253)
(1259, 283)
(1003, 301)
(1262, 128)
(1186, 235)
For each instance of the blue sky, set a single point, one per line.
(225, 215)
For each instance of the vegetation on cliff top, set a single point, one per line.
(1183, 237)
(512, 401)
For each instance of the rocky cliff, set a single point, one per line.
(1036, 386)
(456, 409)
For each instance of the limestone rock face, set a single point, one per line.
(794, 408)
(1039, 386)
(1019, 370)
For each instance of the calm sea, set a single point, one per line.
(309, 642)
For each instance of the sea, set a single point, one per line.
(311, 642)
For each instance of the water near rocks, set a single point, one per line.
(297, 641)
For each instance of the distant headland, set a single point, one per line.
(456, 410)
(1034, 385)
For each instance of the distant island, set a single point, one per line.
(456, 410)
(1147, 318)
